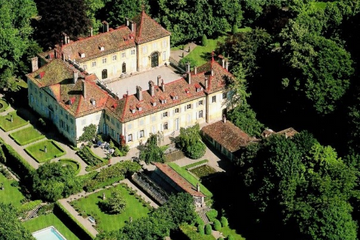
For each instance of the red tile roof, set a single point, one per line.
(180, 181)
(227, 135)
(147, 29)
(112, 41)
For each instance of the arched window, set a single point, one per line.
(123, 68)
(104, 74)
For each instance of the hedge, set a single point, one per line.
(71, 223)
(224, 221)
(15, 162)
(89, 157)
(208, 229)
(212, 214)
(217, 225)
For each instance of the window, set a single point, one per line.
(177, 110)
(164, 56)
(104, 74)
(123, 55)
(154, 46)
(213, 99)
(93, 64)
(166, 126)
(165, 114)
(62, 124)
(104, 60)
(144, 49)
(133, 52)
(130, 138)
(153, 118)
(84, 67)
(188, 106)
(201, 102)
(141, 122)
(201, 114)
(224, 95)
(45, 98)
(129, 126)
(164, 43)
(40, 93)
(114, 57)
(141, 134)
(112, 121)
(117, 125)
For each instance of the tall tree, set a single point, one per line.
(58, 17)
(10, 226)
(15, 36)
(151, 152)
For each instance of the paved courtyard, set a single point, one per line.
(128, 84)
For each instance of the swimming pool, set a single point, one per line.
(49, 233)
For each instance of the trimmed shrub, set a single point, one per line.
(201, 229)
(208, 229)
(220, 238)
(212, 214)
(204, 40)
(224, 221)
(234, 29)
(230, 237)
(217, 225)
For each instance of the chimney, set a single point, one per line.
(223, 63)
(224, 118)
(212, 72)
(139, 93)
(206, 83)
(66, 38)
(133, 26)
(76, 76)
(127, 22)
(158, 78)
(227, 65)
(91, 32)
(151, 88)
(84, 88)
(34, 64)
(105, 26)
(162, 85)
(188, 67)
(195, 70)
(55, 54)
(198, 187)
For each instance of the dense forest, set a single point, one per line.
(296, 67)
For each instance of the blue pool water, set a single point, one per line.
(49, 233)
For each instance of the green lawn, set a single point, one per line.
(192, 165)
(107, 222)
(3, 105)
(202, 54)
(7, 125)
(71, 162)
(26, 136)
(48, 220)
(203, 171)
(190, 178)
(10, 194)
(226, 231)
(37, 151)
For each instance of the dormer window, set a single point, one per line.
(187, 90)
(138, 106)
(132, 109)
(174, 96)
(162, 100)
(82, 54)
(153, 102)
(101, 47)
(92, 101)
(198, 87)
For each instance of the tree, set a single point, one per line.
(15, 36)
(245, 118)
(88, 134)
(181, 208)
(52, 181)
(151, 152)
(189, 141)
(10, 226)
(58, 17)
(115, 204)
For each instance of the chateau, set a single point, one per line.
(121, 81)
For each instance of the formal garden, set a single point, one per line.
(71, 162)
(9, 190)
(93, 205)
(26, 136)
(45, 151)
(11, 121)
(4, 105)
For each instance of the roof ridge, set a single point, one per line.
(125, 106)
(79, 103)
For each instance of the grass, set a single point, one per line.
(4, 105)
(107, 222)
(48, 220)
(10, 194)
(226, 231)
(74, 164)
(192, 233)
(26, 136)
(7, 125)
(190, 178)
(195, 164)
(202, 54)
(37, 151)
(203, 171)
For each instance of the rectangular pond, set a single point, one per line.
(49, 233)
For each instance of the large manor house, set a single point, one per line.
(121, 81)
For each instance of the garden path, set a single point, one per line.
(177, 54)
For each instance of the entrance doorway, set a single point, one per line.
(155, 59)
